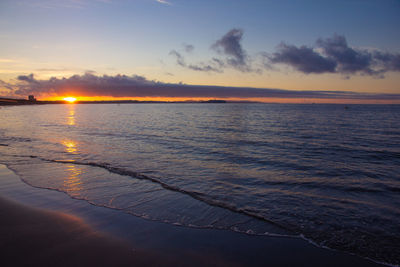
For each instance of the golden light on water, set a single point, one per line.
(71, 115)
(73, 181)
(70, 146)
(70, 99)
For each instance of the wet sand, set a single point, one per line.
(43, 238)
(71, 232)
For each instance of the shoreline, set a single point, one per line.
(151, 240)
(37, 237)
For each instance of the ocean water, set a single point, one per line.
(326, 173)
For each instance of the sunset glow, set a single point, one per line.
(70, 99)
(231, 99)
(177, 118)
(305, 59)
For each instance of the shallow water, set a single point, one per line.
(325, 172)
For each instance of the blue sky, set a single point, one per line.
(62, 38)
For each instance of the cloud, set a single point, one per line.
(303, 59)
(334, 55)
(329, 55)
(230, 45)
(204, 67)
(163, 2)
(213, 66)
(218, 62)
(138, 86)
(180, 60)
(27, 78)
(188, 48)
(348, 60)
(387, 61)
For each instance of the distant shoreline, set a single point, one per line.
(22, 102)
(12, 101)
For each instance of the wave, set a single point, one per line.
(195, 195)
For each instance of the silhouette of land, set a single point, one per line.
(13, 101)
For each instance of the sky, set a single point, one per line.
(293, 51)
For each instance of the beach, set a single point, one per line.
(35, 237)
(199, 133)
(43, 228)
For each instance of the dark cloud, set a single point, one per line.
(230, 45)
(303, 59)
(180, 60)
(27, 78)
(138, 86)
(334, 55)
(349, 60)
(213, 66)
(204, 67)
(330, 55)
(387, 61)
(218, 62)
(188, 48)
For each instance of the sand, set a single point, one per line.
(42, 238)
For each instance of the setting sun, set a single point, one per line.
(70, 99)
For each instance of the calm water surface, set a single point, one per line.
(327, 173)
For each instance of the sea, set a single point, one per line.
(327, 173)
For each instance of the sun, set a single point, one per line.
(70, 99)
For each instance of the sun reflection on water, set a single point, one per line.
(73, 181)
(71, 115)
(70, 146)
